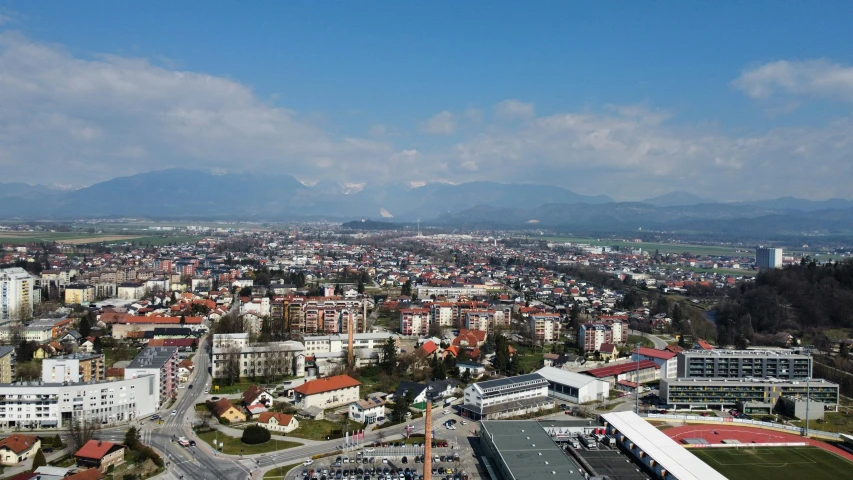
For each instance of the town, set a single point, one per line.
(317, 352)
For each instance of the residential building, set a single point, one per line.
(414, 321)
(466, 291)
(7, 364)
(430, 391)
(667, 360)
(255, 394)
(162, 364)
(574, 387)
(224, 409)
(782, 364)
(545, 327)
(592, 335)
(279, 358)
(442, 314)
(131, 290)
(506, 397)
(485, 320)
(367, 411)
(224, 340)
(328, 392)
(752, 393)
(76, 367)
(278, 422)
(77, 294)
(473, 370)
(766, 257)
(30, 333)
(100, 454)
(16, 294)
(337, 343)
(54, 405)
(17, 448)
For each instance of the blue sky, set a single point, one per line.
(732, 101)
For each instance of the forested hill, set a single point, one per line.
(802, 299)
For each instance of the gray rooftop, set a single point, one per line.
(6, 350)
(529, 452)
(510, 381)
(153, 357)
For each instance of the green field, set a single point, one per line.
(652, 246)
(777, 463)
(234, 446)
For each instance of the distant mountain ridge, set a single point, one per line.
(182, 193)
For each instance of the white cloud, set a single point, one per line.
(378, 130)
(85, 120)
(819, 78)
(513, 109)
(443, 123)
(474, 115)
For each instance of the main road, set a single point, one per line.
(660, 343)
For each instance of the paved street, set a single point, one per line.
(660, 343)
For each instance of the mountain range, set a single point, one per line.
(181, 193)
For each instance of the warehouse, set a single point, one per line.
(574, 387)
(522, 450)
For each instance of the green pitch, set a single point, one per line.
(780, 463)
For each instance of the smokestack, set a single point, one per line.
(428, 441)
(350, 340)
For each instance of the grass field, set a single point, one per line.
(280, 472)
(320, 429)
(235, 446)
(780, 463)
(81, 238)
(643, 341)
(839, 422)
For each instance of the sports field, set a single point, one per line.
(778, 463)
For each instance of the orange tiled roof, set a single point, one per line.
(281, 418)
(327, 384)
(95, 449)
(18, 443)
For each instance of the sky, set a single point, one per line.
(725, 100)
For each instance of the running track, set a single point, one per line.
(746, 434)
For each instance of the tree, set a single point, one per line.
(97, 345)
(360, 287)
(57, 442)
(406, 290)
(131, 438)
(85, 326)
(255, 434)
(183, 321)
(231, 370)
(245, 292)
(80, 432)
(25, 351)
(389, 354)
(38, 460)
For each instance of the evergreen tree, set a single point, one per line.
(131, 438)
(38, 460)
(406, 291)
(97, 345)
(85, 327)
(389, 355)
(183, 320)
(360, 286)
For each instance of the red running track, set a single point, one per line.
(746, 434)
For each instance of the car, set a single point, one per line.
(449, 471)
(385, 460)
(206, 390)
(190, 386)
(443, 458)
(180, 387)
(213, 399)
(446, 411)
(192, 443)
(304, 473)
(346, 460)
(405, 460)
(463, 422)
(307, 462)
(174, 412)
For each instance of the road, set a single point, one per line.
(660, 343)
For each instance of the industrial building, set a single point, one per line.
(574, 387)
(506, 397)
(522, 450)
(782, 364)
(749, 394)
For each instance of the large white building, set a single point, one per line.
(16, 294)
(161, 363)
(54, 405)
(766, 257)
(327, 392)
(283, 358)
(506, 397)
(442, 314)
(414, 321)
(574, 387)
(667, 360)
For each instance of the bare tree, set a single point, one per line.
(80, 431)
(231, 368)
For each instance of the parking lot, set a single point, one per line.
(361, 467)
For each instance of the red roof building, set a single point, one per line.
(100, 455)
(329, 392)
(649, 371)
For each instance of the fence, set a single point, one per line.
(745, 445)
(743, 421)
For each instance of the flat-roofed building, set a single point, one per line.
(75, 367)
(728, 392)
(783, 364)
(283, 358)
(522, 450)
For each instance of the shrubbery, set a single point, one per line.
(255, 434)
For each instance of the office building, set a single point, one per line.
(768, 257)
(16, 294)
(752, 395)
(160, 363)
(76, 367)
(55, 405)
(506, 397)
(781, 364)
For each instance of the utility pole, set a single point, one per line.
(637, 391)
(808, 402)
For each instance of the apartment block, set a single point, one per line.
(485, 320)
(414, 321)
(160, 363)
(729, 392)
(545, 327)
(781, 364)
(16, 294)
(7, 364)
(592, 335)
(283, 358)
(77, 367)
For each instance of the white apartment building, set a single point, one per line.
(224, 340)
(16, 294)
(131, 291)
(284, 358)
(55, 405)
(768, 257)
(161, 363)
(506, 397)
(337, 343)
(545, 327)
(442, 314)
(73, 368)
(414, 321)
(31, 333)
